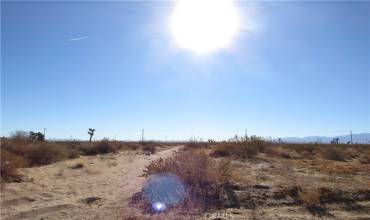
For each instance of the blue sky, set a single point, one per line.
(295, 69)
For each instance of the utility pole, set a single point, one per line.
(351, 136)
(44, 132)
(142, 135)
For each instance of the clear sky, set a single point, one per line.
(294, 69)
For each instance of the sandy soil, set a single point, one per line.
(100, 189)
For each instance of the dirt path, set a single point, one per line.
(98, 190)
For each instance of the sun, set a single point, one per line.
(204, 26)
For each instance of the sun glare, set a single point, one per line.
(204, 26)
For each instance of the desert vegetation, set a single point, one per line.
(253, 176)
(244, 176)
(202, 176)
(22, 150)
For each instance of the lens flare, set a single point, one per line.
(164, 190)
(159, 206)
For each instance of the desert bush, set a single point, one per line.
(224, 149)
(149, 147)
(44, 154)
(272, 151)
(333, 153)
(126, 145)
(73, 153)
(200, 175)
(310, 197)
(351, 152)
(102, 147)
(195, 145)
(257, 143)
(365, 159)
(9, 163)
(299, 148)
(240, 148)
(20, 136)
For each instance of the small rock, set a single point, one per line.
(90, 200)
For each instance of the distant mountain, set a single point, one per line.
(357, 138)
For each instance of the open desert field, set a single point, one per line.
(230, 180)
(185, 110)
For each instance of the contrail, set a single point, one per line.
(78, 38)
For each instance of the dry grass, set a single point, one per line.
(192, 144)
(9, 163)
(365, 159)
(101, 147)
(332, 152)
(149, 147)
(201, 176)
(44, 154)
(240, 148)
(20, 151)
(309, 196)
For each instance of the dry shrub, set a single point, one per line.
(240, 148)
(334, 153)
(310, 197)
(351, 152)
(44, 154)
(224, 149)
(132, 217)
(224, 171)
(105, 147)
(73, 153)
(272, 152)
(365, 159)
(201, 176)
(338, 152)
(9, 163)
(101, 147)
(21, 152)
(196, 145)
(307, 155)
(127, 145)
(150, 147)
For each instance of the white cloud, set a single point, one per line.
(78, 38)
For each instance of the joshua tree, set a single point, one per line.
(91, 133)
(335, 141)
(36, 136)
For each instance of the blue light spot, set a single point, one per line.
(159, 206)
(163, 190)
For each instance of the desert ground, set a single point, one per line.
(271, 183)
(99, 190)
